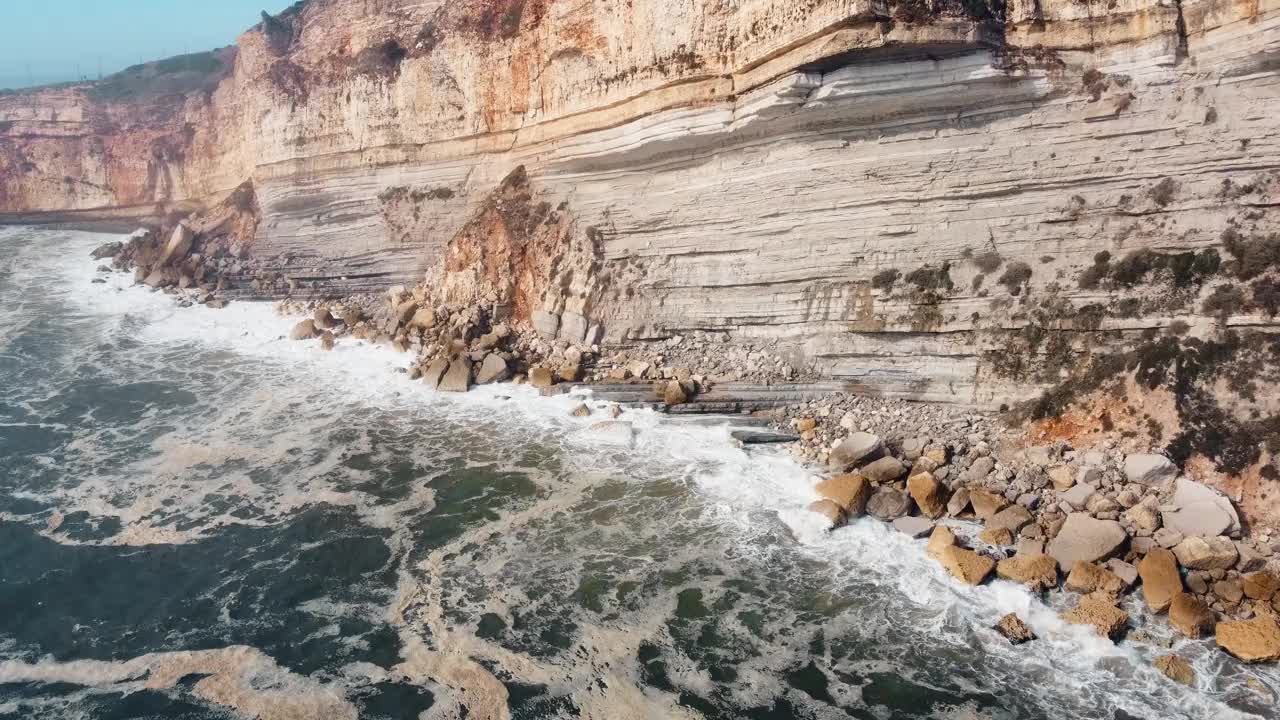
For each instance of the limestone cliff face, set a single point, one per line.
(912, 196)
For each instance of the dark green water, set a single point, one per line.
(201, 520)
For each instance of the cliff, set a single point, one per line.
(950, 201)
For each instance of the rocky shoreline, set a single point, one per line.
(1098, 523)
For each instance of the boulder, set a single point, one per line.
(1256, 640)
(403, 313)
(1261, 585)
(979, 470)
(107, 250)
(1200, 511)
(1014, 629)
(1078, 496)
(1215, 553)
(1084, 538)
(1190, 616)
(1177, 669)
(914, 526)
(1062, 477)
(1037, 572)
(423, 319)
(1127, 573)
(179, 244)
(546, 324)
(541, 378)
(1149, 469)
(617, 433)
(850, 492)
(304, 330)
(940, 539)
(1144, 516)
(888, 503)
(1230, 591)
(1085, 577)
(1161, 580)
(435, 372)
(328, 341)
(986, 503)
(996, 536)
(573, 328)
(929, 494)
(458, 377)
(492, 370)
(966, 565)
(674, 394)
(886, 469)
(958, 503)
(829, 510)
(857, 449)
(1099, 610)
(581, 411)
(1167, 538)
(1012, 518)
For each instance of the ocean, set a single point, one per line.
(202, 519)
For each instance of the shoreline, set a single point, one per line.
(917, 485)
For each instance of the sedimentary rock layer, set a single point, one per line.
(894, 192)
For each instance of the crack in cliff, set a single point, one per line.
(1181, 26)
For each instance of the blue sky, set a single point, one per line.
(54, 38)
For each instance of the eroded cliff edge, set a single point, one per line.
(950, 201)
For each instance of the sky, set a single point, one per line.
(47, 41)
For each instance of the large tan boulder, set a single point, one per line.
(996, 536)
(889, 503)
(941, 539)
(858, 449)
(1085, 538)
(1213, 553)
(434, 372)
(1161, 580)
(849, 491)
(886, 469)
(1256, 640)
(304, 330)
(1190, 616)
(929, 494)
(966, 565)
(829, 510)
(1261, 585)
(1089, 578)
(1038, 572)
(986, 503)
(1176, 668)
(458, 377)
(1099, 610)
(541, 377)
(1012, 518)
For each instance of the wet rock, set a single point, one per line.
(1198, 553)
(915, 526)
(888, 503)
(328, 341)
(581, 411)
(759, 437)
(1012, 518)
(540, 377)
(493, 369)
(434, 372)
(986, 503)
(928, 493)
(850, 492)
(1037, 572)
(1177, 669)
(107, 250)
(1087, 578)
(616, 433)
(1161, 580)
(1190, 616)
(1149, 469)
(940, 539)
(1201, 511)
(996, 536)
(1014, 629)
(966, 565)
(1256, 640)
(1083, 538)
(1099, 610)
(830, 510)
(304, 330)
(458, 377)
(886, 469)
(857, 449)
(323, 318)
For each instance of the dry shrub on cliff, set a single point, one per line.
(380, 60)
(1015, 276)
(1163, 192)
(929, 277)
(1253, 256)
(885, 279)
(1223, 302)
(1266, 295)
(988, 262)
